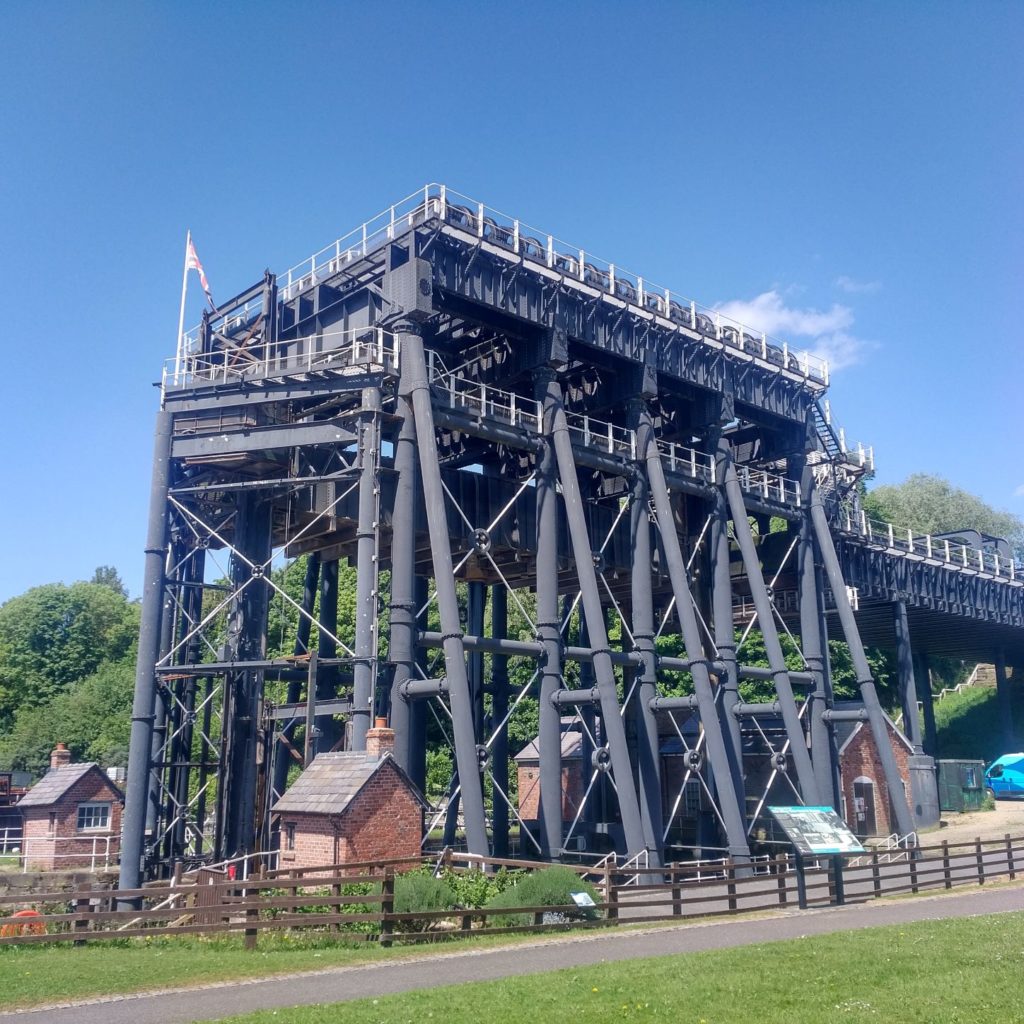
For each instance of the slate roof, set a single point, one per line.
(57, 781)
(845, 731)
(572, 742)
(333, 780)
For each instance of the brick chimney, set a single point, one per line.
(380, 740)
(60, 756)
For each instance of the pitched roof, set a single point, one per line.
(333, 780)
(57, 781)
(845, 731)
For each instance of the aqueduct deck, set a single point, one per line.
(449, 395)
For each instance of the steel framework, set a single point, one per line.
(490, 425)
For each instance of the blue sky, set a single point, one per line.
(850, 174)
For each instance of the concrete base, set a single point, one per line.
(924, 790)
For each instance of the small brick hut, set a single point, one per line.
(350, 806)
(573, 784)
(867, 808)
(71, 818)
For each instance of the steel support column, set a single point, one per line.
(499, 709)
(583, 554)
(243, 689)
(907, 682)
(766, 621)
(648, 754)
(143, 704)
(402, 640)
(549, 739)
(814, 643)
(923, 677)
(365, 643)
(730, 799)
(327, 733)
(1003, 699)
(876, 718)
(467, 762)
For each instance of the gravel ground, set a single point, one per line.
(959, 828)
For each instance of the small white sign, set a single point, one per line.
(582, 899)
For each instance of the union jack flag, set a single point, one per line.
(192, 263)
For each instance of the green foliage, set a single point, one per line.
(548, 887)
(930, 504)
(55, 635)
(418, 892)
(475, 888)
(968, 724)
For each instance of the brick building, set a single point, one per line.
(71, 818)
(867, 808)
(351, 806)
(573, 784)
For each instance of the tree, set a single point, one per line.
(54, 635)
(108, 576)
(929, 504)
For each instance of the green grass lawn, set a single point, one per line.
(934, 972)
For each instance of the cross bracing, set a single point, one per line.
(492, 428)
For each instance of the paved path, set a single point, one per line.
(211, 1002)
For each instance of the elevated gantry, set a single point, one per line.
(483, 420)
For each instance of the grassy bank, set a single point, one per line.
(931, 972)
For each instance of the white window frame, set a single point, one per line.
(91, 809)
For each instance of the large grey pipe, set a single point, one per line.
(133, 823)
(730, 800)
(467, 762)
(876, 718)
(766, 620)
(402, 639)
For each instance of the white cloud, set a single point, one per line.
(824, 333)
(1019, 491)
(855, 287)
(770, 314)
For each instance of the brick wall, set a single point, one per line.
(63, 846)
(528, 773)
(383, 821)
(860, 759)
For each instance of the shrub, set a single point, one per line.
(475, 888)
(549, 887)
(417, 892)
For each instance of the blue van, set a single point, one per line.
(1004, 777)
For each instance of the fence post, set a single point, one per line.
(82, 908)
(781, 864)
(730, 885)
(252, 913)
(980, 859)
(912, 864)
(611, 897)
(946, 876)
(876, 874)
(677, 894)
(387, 905)
(1009, 858)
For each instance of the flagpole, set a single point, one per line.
(178, 352)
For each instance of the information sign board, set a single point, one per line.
(816, 830)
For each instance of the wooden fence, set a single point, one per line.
(358, 902)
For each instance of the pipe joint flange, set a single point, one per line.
(481, 541)
(694, 760)
(601, 759)
(450, 636)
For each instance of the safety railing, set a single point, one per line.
(570, 262)
(925, 546)
(327, 351)
(79, 851)
(769, 486)
(679, 458)
(578, 266)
